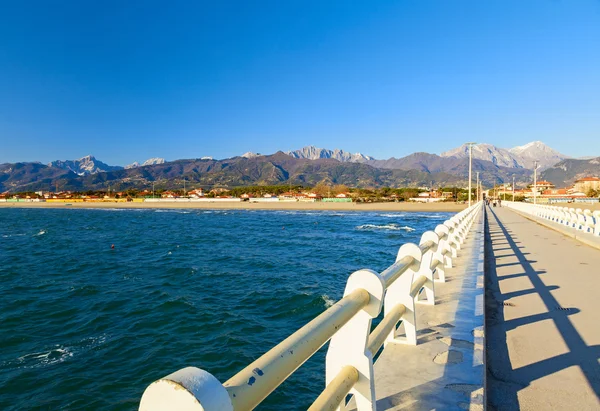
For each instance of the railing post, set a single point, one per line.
(189, 389)
(589, 221)
(349, 344)
(573, 218)
(564, 216)
(460, 229)
(399, 293)
(452, 242)
(425, 268)
(580, 219)
(444, 249)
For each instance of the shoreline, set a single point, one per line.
(402, 206)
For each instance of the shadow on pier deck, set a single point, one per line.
(543, 332)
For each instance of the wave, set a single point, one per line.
(43, 358)
(391, 227)
(171, 211)
(434, 215)
(328, 301)
(57, 354)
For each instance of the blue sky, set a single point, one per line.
(130, 80)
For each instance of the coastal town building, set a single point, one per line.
(586, 184)
(218, 191)
(196, 193)
(540, 186)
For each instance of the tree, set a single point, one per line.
(340, 189)
(408, 194)
(321, 189)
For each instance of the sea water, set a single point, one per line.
(87, 326)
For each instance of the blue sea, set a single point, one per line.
(84, 326)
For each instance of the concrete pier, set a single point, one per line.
(445, 371)
(543, 317)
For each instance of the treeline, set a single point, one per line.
(322, 189)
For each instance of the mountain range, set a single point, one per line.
(516, 157)
(278, 168)
(90, 165)
(314, 153)
(308, 166)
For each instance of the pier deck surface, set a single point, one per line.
(445, 370)
(542, 317)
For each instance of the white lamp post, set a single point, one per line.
(470, 144)
(513, 189)
(477, 187)
(535, 167)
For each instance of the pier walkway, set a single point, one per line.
(542, 317)
(445, 370)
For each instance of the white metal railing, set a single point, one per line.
(586, 220)
(346, 325)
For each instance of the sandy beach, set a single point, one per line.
(401, 206)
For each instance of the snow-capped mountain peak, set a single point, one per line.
(149, 162)
(520, 149)
(489, 152)
(250, 154)
(537, 151)
(517, 157)
(314, 153)
(84, 166)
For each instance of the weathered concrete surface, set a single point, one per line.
(543, 317)
(445, 370)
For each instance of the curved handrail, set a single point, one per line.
(255, 382)
(336, 390)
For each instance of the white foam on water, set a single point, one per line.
(328, 301)
(390, 227)
(44, 358)
(57, 354)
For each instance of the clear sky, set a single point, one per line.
(129, 80)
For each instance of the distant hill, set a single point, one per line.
(32, 176)
(567, 171)
(490, 173)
